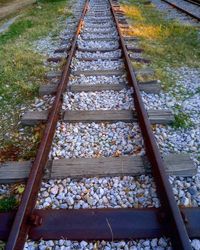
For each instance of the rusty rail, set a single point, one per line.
(92, 224)
(171, 212)
(24, 218)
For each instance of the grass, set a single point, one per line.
(181, 119)
(168, 44)
(22, 70)
(7, 204)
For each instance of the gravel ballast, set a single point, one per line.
(158, 244)
(101, 100)
(92, 80)
(108, 192)
(96, 139)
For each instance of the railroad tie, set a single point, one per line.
(175, 164)
(155, 116)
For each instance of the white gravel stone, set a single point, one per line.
(96, 139)
(70, 201)
(118, 192)
(106, 245)
(177, 140)
(97, 65)
(43, 103)
(187, 91)
(104, 100)
(102, 25)
(196, 244)
(46, 46)
(95, 35)
(82, 44)
(158, 101)
(92, 80)
(98, 54)
(99, 29)
(54, 190)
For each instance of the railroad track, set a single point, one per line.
(98, 51)
(191, 8)
(196, 2)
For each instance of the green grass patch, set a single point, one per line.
(181, 120)
(22, 69)
(7, 204)
(16, 29)
(166, 42)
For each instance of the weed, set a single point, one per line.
(181, 120)
(7, 204)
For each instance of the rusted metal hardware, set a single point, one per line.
(101, 224)
(35, 220)
(182, 10)
(21, 225)
(179, 236)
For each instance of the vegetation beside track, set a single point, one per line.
(22, 72)
(167, 43)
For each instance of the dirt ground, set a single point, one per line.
(9, 7)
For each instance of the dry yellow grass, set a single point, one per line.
(146, 31)
(140, 28)
(132, 11)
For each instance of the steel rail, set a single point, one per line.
(193, 2)
(24, 218)
(182, 10)
(172, 214)
(92, 224)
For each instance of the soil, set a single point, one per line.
(9, 7)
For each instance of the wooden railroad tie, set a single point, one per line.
(155, 116)
(148, 87)
(175, 164)
(130, 39)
